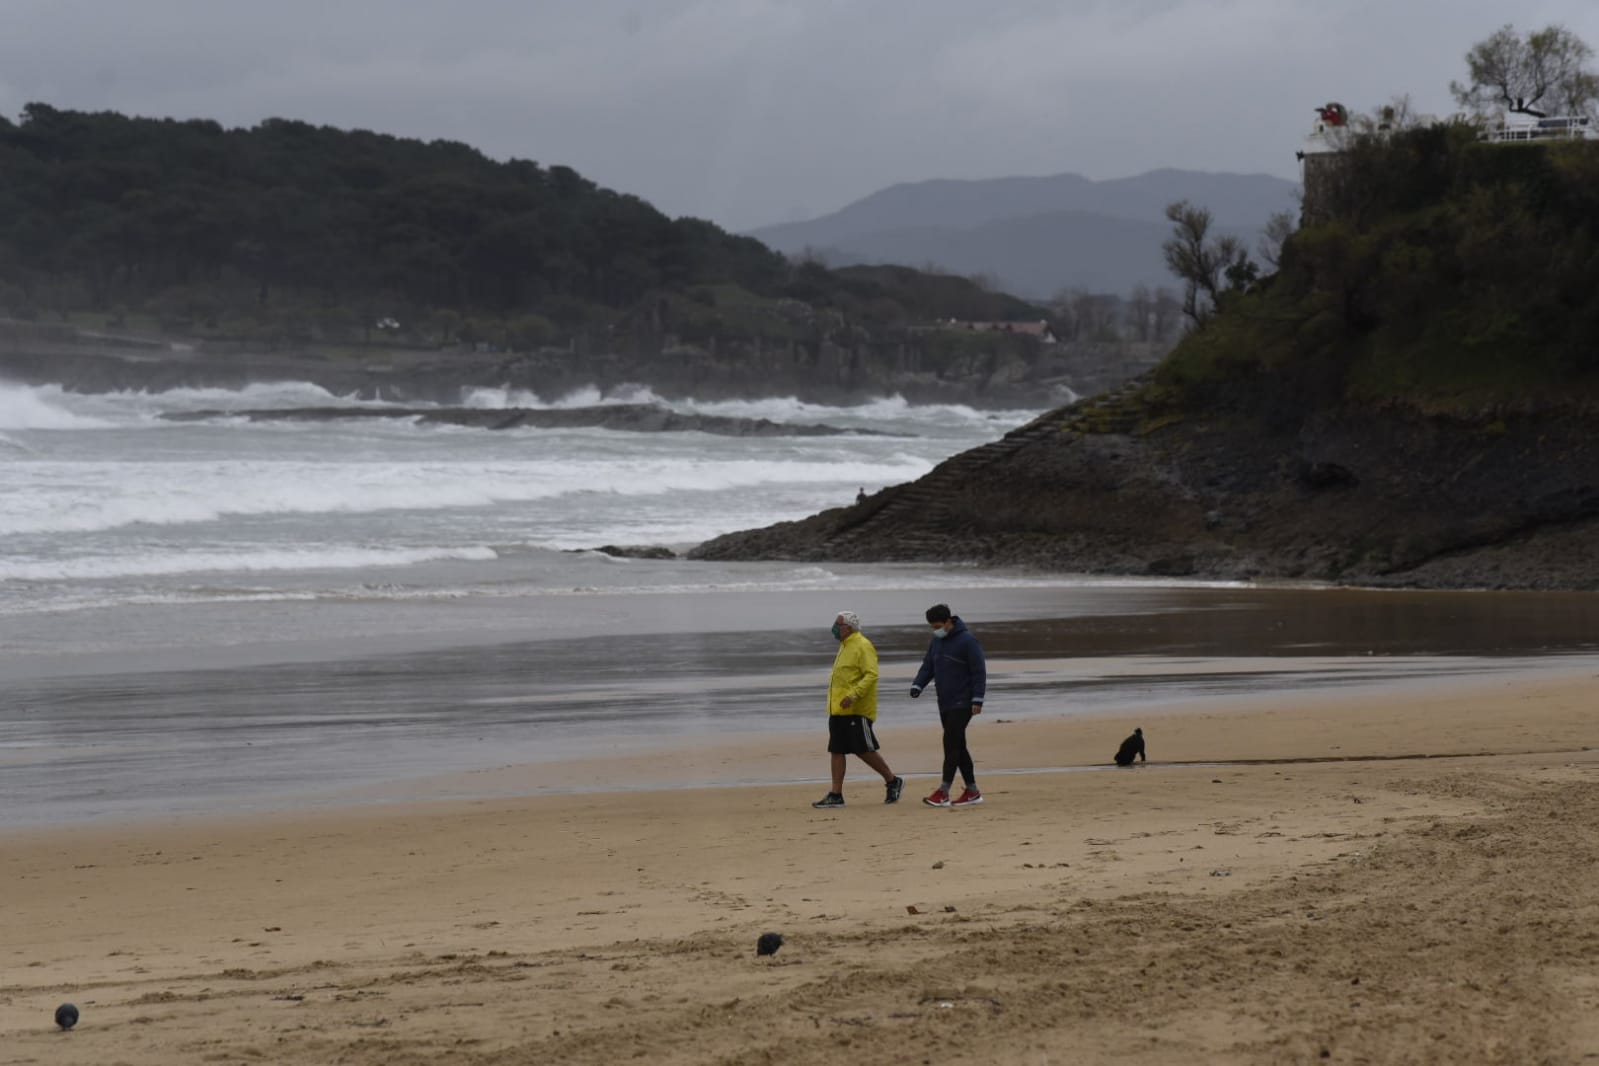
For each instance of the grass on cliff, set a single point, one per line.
(1432, 271)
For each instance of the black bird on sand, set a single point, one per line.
(768, 943)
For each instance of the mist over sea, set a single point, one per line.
(225, 615)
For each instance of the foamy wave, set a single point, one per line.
(269, 394)
(68, 498)
(886, 409)
(52, 407)
(783, 409)
(496, 399)
(188, 562)
(28, 407)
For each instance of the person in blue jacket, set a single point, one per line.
(956, 665)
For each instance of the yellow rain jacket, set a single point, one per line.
(855, 675)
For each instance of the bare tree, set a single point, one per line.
(1547, 69)
(1279, 227)
(1202, 262)
(1140, 313)
(1085, 315)
(1067, 327)
(1399, 113)
(1168, 313)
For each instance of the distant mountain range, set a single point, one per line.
(1035, 236)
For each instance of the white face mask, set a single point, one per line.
(941, 633)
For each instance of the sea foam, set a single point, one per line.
(163, 564)
(30, 407)
(69, 497)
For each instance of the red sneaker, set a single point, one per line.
(939, 798)
(969, 797)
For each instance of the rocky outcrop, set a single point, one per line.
(636, 551)
(635, 417)
(1372, 497)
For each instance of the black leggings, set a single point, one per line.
(956, 757)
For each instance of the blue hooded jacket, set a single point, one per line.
(956, 665)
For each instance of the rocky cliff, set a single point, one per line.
(1352, 495)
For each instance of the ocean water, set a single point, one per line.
(222, 616)
(112, 517)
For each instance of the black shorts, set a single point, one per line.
(850, 734)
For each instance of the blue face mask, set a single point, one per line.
(838, 634)
(940, 633)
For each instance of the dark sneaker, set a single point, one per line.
(832, 799)
(969, 797)
(939, 798)
(895, 787)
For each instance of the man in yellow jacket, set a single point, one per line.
(852, 708)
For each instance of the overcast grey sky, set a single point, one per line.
(755, 111)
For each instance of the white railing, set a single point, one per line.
(1559, 128)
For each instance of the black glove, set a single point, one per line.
(915, 691)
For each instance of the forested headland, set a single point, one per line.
(1411, 398)
(289, 236)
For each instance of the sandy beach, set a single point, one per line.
(1405, 877)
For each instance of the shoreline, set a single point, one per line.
(1056, 716)
(1222, 909)
(127, 637)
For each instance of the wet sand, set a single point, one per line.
(141, 732)
(1376, 874)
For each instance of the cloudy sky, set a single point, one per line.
(756, 111)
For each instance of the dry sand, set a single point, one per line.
(1375, 908)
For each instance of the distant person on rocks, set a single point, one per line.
(851, 710)
(956, 665)
(860, 497)
(1132, 747)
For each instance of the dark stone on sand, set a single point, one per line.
(66, 1016)
(768, 943)
(1326, 476)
